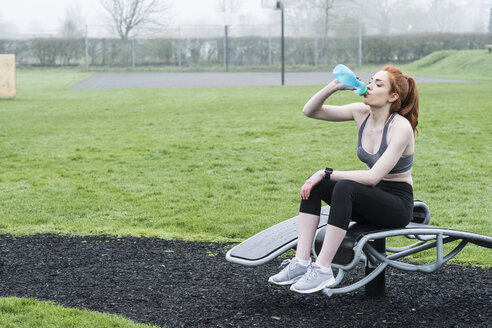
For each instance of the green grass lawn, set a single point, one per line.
(461, 64)
(28, 313)
(212, 163)
(217, 164)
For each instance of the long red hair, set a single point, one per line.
(407, 103)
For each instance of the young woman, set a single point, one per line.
(382, 195)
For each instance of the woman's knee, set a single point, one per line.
(316, 192)
(312, 205)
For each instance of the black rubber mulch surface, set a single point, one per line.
(189, 284)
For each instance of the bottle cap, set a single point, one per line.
(364, 91)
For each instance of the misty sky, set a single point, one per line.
(31, 16)
(34, 17)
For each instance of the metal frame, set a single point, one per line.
(432, 237)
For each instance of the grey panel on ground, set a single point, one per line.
(170, 80)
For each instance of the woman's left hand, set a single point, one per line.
(310, 183)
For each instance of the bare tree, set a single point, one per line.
(2, 26)
(441, 14)
(128, 16)
(314, 14)
(7, 29)
(229, 5)
(453, 16)
(322, 11)
(302, 16)
(228, 9)
(385, 16)
(71, 29)
(378, 14)
(72, 25)
(325, 6)
(490, 21)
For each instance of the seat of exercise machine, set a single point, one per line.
(270, 243)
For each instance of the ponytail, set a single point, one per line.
(407, 104)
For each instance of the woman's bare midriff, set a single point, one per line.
(400, 177)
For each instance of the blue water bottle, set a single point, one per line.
(343, 74)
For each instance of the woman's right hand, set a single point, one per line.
(340, 86)
(310, 183)
(337, 85)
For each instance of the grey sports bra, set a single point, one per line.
(404, 163)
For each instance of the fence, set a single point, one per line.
(219, 47)
(189, 46)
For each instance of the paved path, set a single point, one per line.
(168, 80)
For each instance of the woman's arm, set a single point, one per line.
(315, 107)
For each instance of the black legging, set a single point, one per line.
(388, 204)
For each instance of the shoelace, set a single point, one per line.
(311, 274)
(285, 263)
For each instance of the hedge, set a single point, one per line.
(242, 51)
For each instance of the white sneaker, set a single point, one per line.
(291, 273)
(314, 280)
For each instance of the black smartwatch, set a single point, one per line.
(328, 172)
